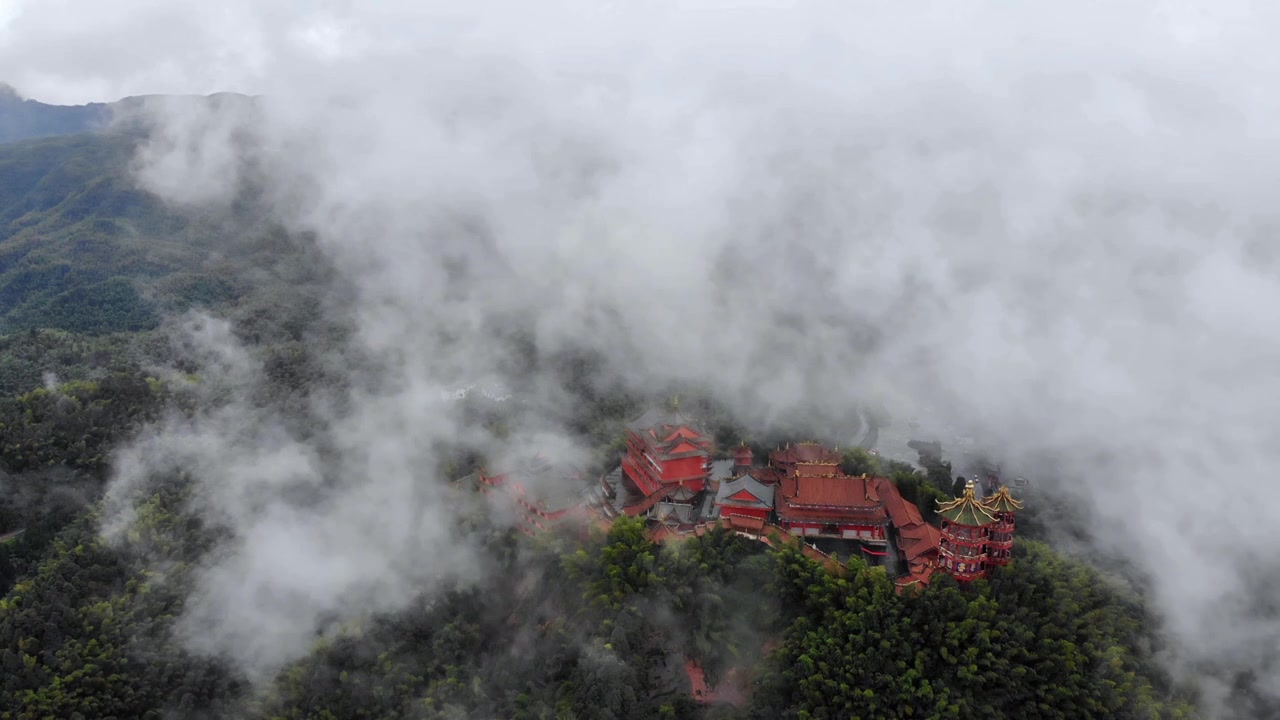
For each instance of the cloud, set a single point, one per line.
(1048, 223)
(325, 514)
(8, 11)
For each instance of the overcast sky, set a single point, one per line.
(72, 51)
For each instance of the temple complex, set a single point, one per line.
(801, 496)
(667, 474)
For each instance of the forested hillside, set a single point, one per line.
(601, 628)
(83, 249)
(603, 625)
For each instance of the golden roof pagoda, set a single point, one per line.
(1002, 501)
(966, 509)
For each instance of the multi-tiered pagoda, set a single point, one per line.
(966, 529)
(977, 534)
(666, 451)
(1000, 535)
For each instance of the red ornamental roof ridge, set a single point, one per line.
(686, 432)
(919, 577)
(919, 542)
(757, 472)
(746, 522)
(662, 533)
(807, 452)
(834, 492)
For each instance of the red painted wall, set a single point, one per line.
(877, 531)
(673, 470)
(761, 513)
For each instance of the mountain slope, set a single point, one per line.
(79, 241)
(84, 249)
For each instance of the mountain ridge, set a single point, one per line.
(23, 118)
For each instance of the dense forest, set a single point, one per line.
(593, 624)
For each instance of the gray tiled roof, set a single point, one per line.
(679, 512)
(721, 470)
(764, 493)
(661, 416)
(682, 494)
(709, 510)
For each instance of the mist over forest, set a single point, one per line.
(279, 282)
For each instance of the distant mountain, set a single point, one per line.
(21, 119)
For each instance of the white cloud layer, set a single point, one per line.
(1049, 221)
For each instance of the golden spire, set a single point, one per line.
(1002, 501)
(966, 509)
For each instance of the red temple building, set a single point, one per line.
(744, 497)
(816, 499)
(666, 451)
(679, 510)
(814, 458)
(1000, 536)
(916, 539)
(966, 530)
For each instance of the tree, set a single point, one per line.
(858, 462)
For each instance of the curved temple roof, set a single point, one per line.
(1002, 501)
(966, 509)
(807, 453)
(670, 416)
